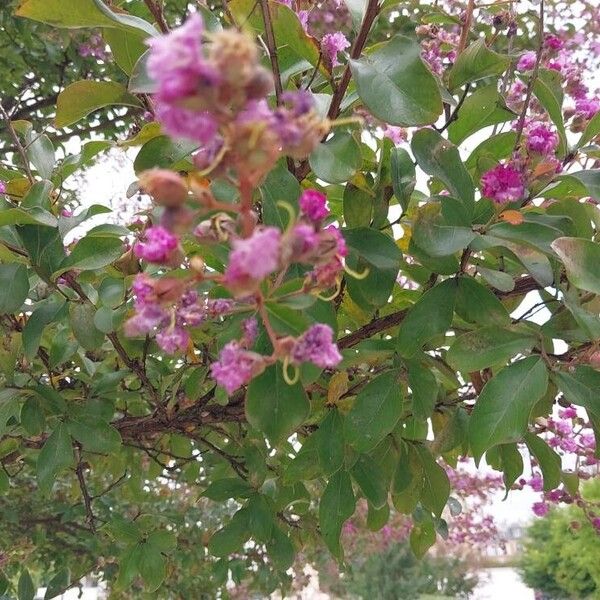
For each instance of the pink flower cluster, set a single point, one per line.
(331, 45)
(214, 93)
(504, 183)
(541, 139)
(93, 47)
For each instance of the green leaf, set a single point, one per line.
(229, 487)
(377, 252)
(403, 176)
(287, 29)
(377, 517)
(484, 107)
(46, 312)
(274, 407)
(81, 98)
(55, 455)
(93, 252)
(548, 90)
(591, 131)
(18, 216)
(581, 258)
(152, 566)
(40, 152)
(358, 207)
(511, 463)
(549, 461)
(424, 388)
(81, 318)
(396, 86)
(375, 412)
(491, 151)
(45, 248)
(422, 537)
(337, 159)
(126, 47)
(476, 303)
(440, 158)
(430, 316)
(581, 388)
(337, 504)
(162, 152)
(281, 550)
(279, 186)
(232, 536)
(32, 416)
(330, 442)
(434, 236)
(436, 486)
(58, 584)
(139, 81)
(76, 14)
(476, 62)
(94, 435)
(25, 587)
(502, 411)
(489, 346)
(14, 287)
(371, 480)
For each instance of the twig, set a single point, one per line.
(272, 47)
(355, 52)
(532, 79)
(18, 146)
(464, 34)
(158, 15)
(87, 499)
(454, 114)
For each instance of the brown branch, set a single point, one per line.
(157, 13)
(87, 499)
(355, 52)
(532, 79)
(272, 47)
(18, 146)
(464, 34)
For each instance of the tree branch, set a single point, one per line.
(18, 146)
(532, 79)
(157, 13)
(272, 47)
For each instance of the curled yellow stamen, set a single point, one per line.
(286, 376)
(356, 275)
(338, 287)
(288, 208)
(215, 163)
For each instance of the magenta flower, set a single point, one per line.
(2, 187)
(316, 345)
(331, 45)
(304, 241)
(553, 42)
(147, 318)
(527, 61)
(540, 138)
(313, 205)
(252, 259)
(587, 107)
(540, 509)
(536, 483)
(341, 248)
(158, 247)
(567, 413)
(250, 331)
(503, 183)
(182, 123)
(235, 367)
(176, 59)
(396, 134)
(173, 339)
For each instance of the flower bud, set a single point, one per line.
(167, 188)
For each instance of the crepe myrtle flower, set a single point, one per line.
(2, 187)
(502, 184)
(313, 205)
(236, 366)
(527, 61)
(252, 259)
(331, 45)
(316, 345)
(541, 139)
(158, 246)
